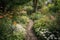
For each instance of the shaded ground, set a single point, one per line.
(30, 35)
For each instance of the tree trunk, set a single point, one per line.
(35, 5)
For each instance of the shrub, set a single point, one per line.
(58, 19)
(29, 9)
(19, 11)
(8, 4)
(53, 9)
(44, 27)
(8, 32)
(24, 20)
(56, 6)
(36, 16)
(44, 9)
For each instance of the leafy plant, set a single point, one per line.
(36, 16)
(7, 30)
(44, 27)
(24, 20)
(8, 4)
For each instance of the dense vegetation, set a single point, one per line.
(15, 16)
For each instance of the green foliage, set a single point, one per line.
(20, 10)
(44, 27)
(56, 6)
(7, 31)
(29, 9)
(41, 2)
(36, 16)
(44, 10)
(41, 26)
(24, 20)
(8, 4)
(58, 18)
(42, 22)
(58, 2)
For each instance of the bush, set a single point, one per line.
(56, 6)
(44, 10)
(8, 5)
(45, 27)
(36, 16)
(24, 20)
(29, 9)
(53, 9)
(8, 30)
(58, 19)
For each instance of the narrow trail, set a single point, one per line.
(30, 35)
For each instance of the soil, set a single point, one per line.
(30, 34)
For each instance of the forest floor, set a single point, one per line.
(30, 34)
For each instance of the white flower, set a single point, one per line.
(19, 29)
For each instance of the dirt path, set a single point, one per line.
(30, 35)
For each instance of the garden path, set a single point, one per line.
(30, 34)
